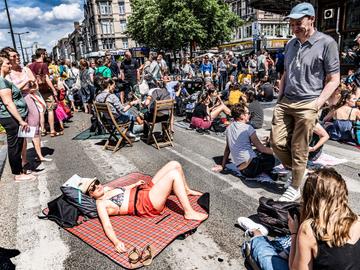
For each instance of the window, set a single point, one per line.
(108, 44)
(123, 25)
(125, 43)
(248, 31)
(122, 8)
(105, 8)
(107, 27)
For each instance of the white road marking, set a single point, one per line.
(38, 240)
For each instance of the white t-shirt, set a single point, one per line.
(238, 138)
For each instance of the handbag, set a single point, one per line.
(143, 87)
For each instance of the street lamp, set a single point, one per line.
(22, 50)
(10, 26)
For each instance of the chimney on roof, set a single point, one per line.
(76, 25)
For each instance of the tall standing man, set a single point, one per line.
(312, 73)
(129, 72)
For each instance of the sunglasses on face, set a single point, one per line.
(93, 186)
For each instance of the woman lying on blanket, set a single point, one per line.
(143, 200)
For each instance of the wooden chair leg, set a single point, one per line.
(150, 133)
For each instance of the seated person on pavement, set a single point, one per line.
(325, 234)
(240, 138)
(120, 112)
(142, 200)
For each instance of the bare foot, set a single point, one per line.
(193, 192)
(196, 216)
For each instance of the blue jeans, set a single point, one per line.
(266, 256)
(126, 117)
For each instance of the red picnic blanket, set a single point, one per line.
(135, 231)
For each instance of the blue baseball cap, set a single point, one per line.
(301, 10)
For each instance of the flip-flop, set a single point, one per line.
(147, 255)
(134, 256)
(55, 134)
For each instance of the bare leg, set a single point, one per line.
(122, 97)
(37, 145)
(23, 153)
(221, 108)
(73, 106)
(51, 121)
(170, 166)
(172, 181)
(86, 109)
(42, 121)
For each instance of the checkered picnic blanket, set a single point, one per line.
(135, 231)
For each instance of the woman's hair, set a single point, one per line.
(83, 63)
(250, 95)
(345, 95)
(7, 50)
(325, 204)
(2, 58)
(203, 97)
(237, 110)
(106, 82)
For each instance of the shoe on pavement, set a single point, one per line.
(130, 134)
(248, 225)
(290, 195)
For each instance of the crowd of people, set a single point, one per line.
(313, 105)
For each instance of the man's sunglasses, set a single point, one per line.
(94, 185)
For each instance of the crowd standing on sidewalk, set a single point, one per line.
(223, 93)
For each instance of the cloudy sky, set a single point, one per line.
(46, 20)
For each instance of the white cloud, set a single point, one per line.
(45, 27)
(65, 12)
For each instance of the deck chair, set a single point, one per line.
(163, 113)
(112, 126)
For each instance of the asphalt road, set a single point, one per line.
(216, 244)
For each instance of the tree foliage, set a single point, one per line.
(174, 24)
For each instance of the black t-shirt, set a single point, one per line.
(130, 69)
(268, 90)
(200, 111)
(256, 114)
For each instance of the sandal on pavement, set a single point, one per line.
(134, 256)
(147, 255)
(55, 134)
(24, 178)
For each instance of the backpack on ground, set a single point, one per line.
(218, 125)
(274, 214)
(62, 212)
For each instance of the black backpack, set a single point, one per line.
(274, 214)
(218, 126)
(63, 213)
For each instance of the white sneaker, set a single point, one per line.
(129, 134)
(290, 195)
(248, 225)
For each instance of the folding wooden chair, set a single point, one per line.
(163, 114)
(103, 112)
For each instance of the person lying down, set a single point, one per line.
(142, 199)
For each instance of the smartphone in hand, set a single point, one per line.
(294, 211)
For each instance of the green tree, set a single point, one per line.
(174, 24)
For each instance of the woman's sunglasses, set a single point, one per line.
(93, 186)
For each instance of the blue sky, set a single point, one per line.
(46, 20)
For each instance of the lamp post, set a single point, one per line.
(10, 25)
(21, 47)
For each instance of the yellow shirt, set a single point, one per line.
(234, 97)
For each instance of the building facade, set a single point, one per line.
(261, 29)
(104, 27)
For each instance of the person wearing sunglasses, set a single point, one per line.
(142, 199)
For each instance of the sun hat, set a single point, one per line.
(85, 183)
(301, 10)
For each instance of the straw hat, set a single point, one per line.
(85, 183)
